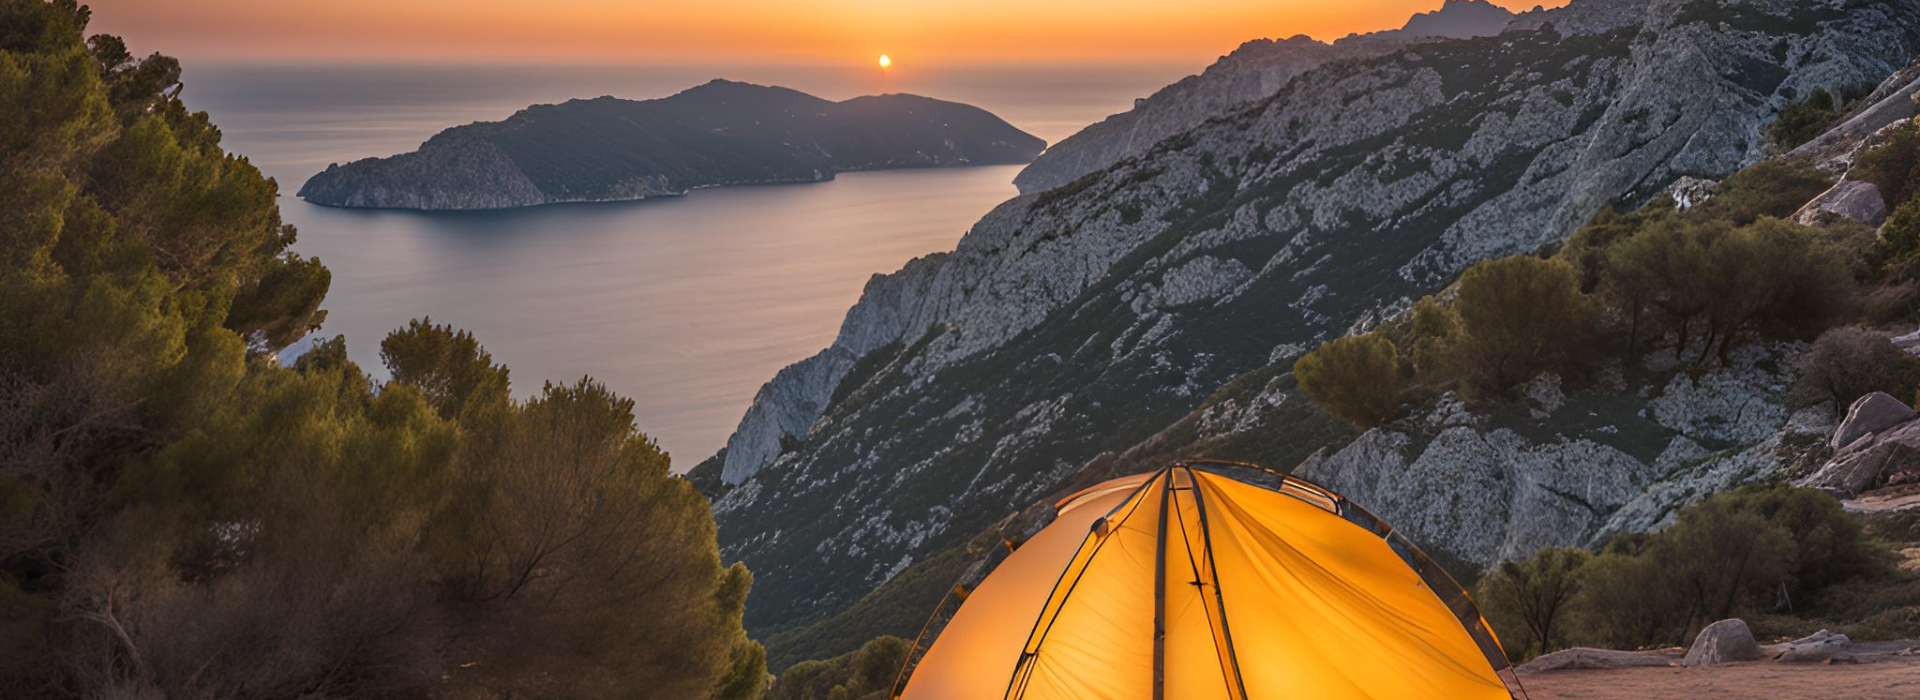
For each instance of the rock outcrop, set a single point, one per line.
(1501, 482)
(1877, 445)
(1251, 73)
(1050, 336)
(1723, 642)
(720, 133)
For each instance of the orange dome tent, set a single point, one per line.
(1186, 584)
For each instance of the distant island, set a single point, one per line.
(720, 133)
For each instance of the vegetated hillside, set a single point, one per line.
(1097, 314)
(182, 516)
(720, 133)
(1254, 71)
(1607, 425)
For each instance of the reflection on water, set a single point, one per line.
(687, 305)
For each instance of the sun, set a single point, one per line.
(886, 61)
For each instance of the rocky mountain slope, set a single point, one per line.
(1091, 316)
(1252, 72)
(720, 133)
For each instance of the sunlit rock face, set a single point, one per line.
(1251, 73)
(1502, 482)
(1083, 319)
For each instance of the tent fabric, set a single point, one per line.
(1186, 584)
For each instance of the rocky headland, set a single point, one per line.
(717, 134)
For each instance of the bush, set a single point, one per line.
(1434, 327)
(864, 674)
(1527, 601)
(1850, 362)
(1775, 188)
(1801, 121)
(1355, 378)
(1713, 279)
(1830, 547)
(1899, 242)
(1893, 165)
(1747, 553)
(1518, 317)
(1714, 562)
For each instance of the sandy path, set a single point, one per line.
(1890, 679)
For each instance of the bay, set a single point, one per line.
(685, 304)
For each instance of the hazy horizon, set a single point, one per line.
(835, 32)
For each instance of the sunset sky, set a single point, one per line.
(931, 32)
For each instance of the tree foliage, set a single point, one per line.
(1529, 600)
(864, 674)
(1805, 119)
(1893, 165)
(1849, 362)
(446, 364)
(1518, 317)
(1356, 378)
(1749, 553)
(182, 517)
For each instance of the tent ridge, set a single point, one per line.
(1229, 659)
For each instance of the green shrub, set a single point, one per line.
(1527, 601)
(1518, 317)
(1720, 282)
(1801, 121)
(1355, 378)
(1850, 362)
(867, 673)
(1830, 547)
(1743, 554)
(1893, 165)
(1431, 339)
(1713, 563)
(1899, 242)
(1775, 188)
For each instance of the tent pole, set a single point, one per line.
(1160, 596)
(1229, 658)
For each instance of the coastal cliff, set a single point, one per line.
(1098, 313)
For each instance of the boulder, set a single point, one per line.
(1818, 647)
(1878, 459)
(1851, 199)
(1584, 658)
(1722, 642)
(1910, 343)
(1870, 414)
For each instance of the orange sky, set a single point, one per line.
(926, 32)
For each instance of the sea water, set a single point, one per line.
(687, 304)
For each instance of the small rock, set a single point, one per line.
(1870, 414)
(1721, 642)
(1819, 647)
(1586, 658)
(1689, 192)
(1909, 342)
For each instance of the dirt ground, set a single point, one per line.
(1890, 679)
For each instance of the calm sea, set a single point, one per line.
(687, 305)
